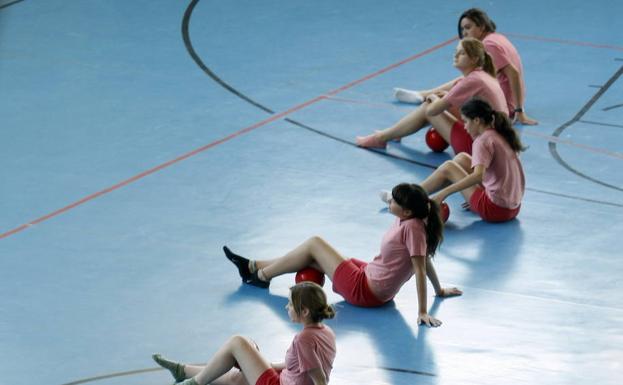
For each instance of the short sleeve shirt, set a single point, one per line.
(479, 84)
(314, 347)
(503, 53)
(389, 270)
(504, 181)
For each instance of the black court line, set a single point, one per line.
(620, 205)
(552, 145)
(612, 107)
(140, 371)
(10, 3)
(197, 59)
(112, 375)
(199, 62)
(600, 123)
(217, 79)
(401, 370)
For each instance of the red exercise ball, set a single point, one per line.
(445, 212)
(310, 274)
(435, 141)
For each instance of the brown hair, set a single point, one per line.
(310, 295)
(480, 18)
(476, 51)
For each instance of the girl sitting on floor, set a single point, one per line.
(406, 250)
(476, 23)
(308, 361)
(491, 180)
(442, 111)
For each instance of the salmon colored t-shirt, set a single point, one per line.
(504, 181)
(390, 270)
(312, 348)
(503, 53)
(478, 84)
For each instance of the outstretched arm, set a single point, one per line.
(514, 79)
(434, 280)
(468, 181)
(419, 266)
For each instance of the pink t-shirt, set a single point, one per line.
(503, 53)
(313, 347)
(392, 268)
(479, 84)
(504, 181)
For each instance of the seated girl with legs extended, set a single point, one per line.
(475, 23)
(442, 112)
(308, 361)
(406, 250)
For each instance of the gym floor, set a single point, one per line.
(139, 137)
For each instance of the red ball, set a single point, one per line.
(435, 141)
(310, 274)
(445, 211)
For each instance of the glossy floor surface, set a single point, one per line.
(139, 137)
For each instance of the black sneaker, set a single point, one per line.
(256, 281)
(241, 263)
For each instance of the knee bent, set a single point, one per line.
(239, 341)
(315, 240)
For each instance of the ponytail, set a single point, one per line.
(434, 228)
(488, 66)
(503, 125)
(475, 50)
(310, 295)
(477, 108)
(414, 198)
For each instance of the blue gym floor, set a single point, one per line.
(139, 137)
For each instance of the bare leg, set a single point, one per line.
(413, 122)
(451, 171)
(233, 377)
(314, 251)
(465, 161)
(192, 370)
(443, 124)
(237, 349)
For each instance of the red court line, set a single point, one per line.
(563, 41)
(220, 141)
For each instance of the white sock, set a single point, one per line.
(408, 96)
(385, 195)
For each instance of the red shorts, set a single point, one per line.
(480, 203)
(349, 281)
(269, 377)
(460, 140)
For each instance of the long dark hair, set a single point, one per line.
(413, 197)
(477, 108)
(480, 18)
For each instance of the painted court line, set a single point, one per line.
(564, 41)
(222, 140)
(524, 131)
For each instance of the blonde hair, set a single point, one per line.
(310, 295)
(476, 51)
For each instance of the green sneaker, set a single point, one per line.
(176, 369)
